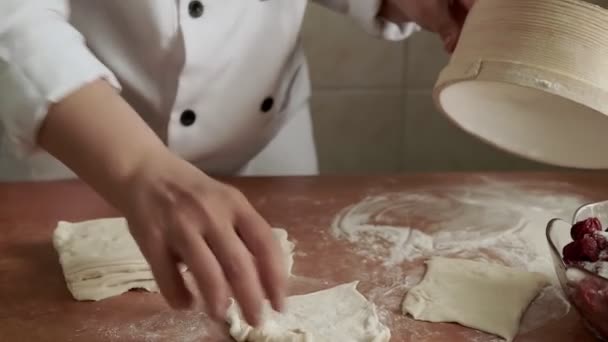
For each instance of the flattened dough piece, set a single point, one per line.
(100, 258)
(483, 296)
(340, 314)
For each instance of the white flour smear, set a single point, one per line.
(495, 220)
(488, 221)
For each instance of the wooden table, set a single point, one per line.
(36, 306)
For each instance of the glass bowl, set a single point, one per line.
(585, 290)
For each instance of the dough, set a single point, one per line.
(337, 314)
(286, 246)
(488, 297)
(100, 258)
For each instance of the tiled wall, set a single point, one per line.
(372, 104)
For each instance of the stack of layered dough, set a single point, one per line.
(100, 259)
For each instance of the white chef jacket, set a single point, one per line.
(215, 79)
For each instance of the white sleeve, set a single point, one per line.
(365, 12)
(42, 60)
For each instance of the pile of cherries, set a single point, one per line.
(589, 243)
(589, 294)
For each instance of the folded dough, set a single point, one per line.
(100, 258)
(340, 314)
(488, 297)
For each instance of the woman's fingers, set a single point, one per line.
(207, 272)
(166, 273)
(257, 236)
(444, 17)
(435, 16)
(445, 24)
(239, 269)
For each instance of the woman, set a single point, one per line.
(144, 100)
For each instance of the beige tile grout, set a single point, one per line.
(404, 102)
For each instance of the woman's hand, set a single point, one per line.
(444, 17)
(176, 213)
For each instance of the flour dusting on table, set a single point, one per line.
(164, 326)
(493, 220)
(488, 221)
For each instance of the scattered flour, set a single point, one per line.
(490, 221)
(498, 221)
(164, 326)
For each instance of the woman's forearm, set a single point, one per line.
(99, 136)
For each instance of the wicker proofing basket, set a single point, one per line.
(531, 77)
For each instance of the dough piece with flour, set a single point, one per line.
(340, 314)
(286, 246)
(483, 296)
(100, 258)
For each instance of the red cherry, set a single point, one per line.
(589, 248)
(602, 243)
(587, 226)
(573, 252)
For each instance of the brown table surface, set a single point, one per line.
(36, 306)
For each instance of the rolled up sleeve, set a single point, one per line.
(42, 60)
(365, 12)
